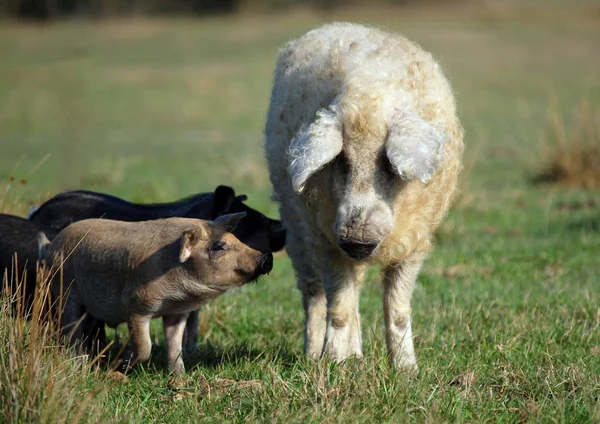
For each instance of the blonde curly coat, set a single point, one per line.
(364, 147)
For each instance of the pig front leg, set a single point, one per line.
(313, 295)
(343, 335)
(399, 281)
(315, 326)
(139, 331)
(190, 337)
(174, 327)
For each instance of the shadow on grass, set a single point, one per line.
(207, 355)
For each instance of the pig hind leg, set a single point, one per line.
(72, 316)
(190, 336)
(94, 334)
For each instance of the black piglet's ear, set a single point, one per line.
(224, 198)
(230, 221)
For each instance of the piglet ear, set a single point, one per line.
(414, 146)
(43, 243)
(224, 198)
(189, 240)
(314, 146)
(230, 221)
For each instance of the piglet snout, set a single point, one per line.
(265, 264)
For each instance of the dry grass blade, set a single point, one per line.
(39, 381)
(572, 152)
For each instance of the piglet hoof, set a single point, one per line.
(191, 348)
(126, 362)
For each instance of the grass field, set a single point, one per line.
(507, 308)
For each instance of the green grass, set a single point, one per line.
(506, 312)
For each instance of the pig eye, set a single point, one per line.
(388, 166)
(217, 249)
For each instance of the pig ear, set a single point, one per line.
(314, 146)
(229, 222)
(414, 146)
(224, 197)
(43, 243)
(189, 240)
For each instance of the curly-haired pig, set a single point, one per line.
(364, 148)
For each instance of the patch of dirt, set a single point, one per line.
(465, 380)
(185, 386)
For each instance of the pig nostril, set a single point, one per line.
(265, 263)
(357, 249)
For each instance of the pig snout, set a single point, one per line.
(251, 269)
(361, 229)
(357, 249)
(265, 264)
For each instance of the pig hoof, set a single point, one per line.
(126, 363)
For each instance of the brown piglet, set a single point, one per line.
(135, 271)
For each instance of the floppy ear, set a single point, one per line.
(224, 197)
(314, 146)
(414, 146)
(189, 240)
(229, 222)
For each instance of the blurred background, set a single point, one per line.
(154, 100)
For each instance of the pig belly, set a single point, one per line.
(107, 313)
(179, 307)
(105, 306)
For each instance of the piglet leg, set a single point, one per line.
(139, 330)
(174, 327)
(190, 336)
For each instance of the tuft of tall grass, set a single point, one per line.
(39, 380)
(571, 152)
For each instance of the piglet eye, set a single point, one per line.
(217, 249)
(218, 246)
